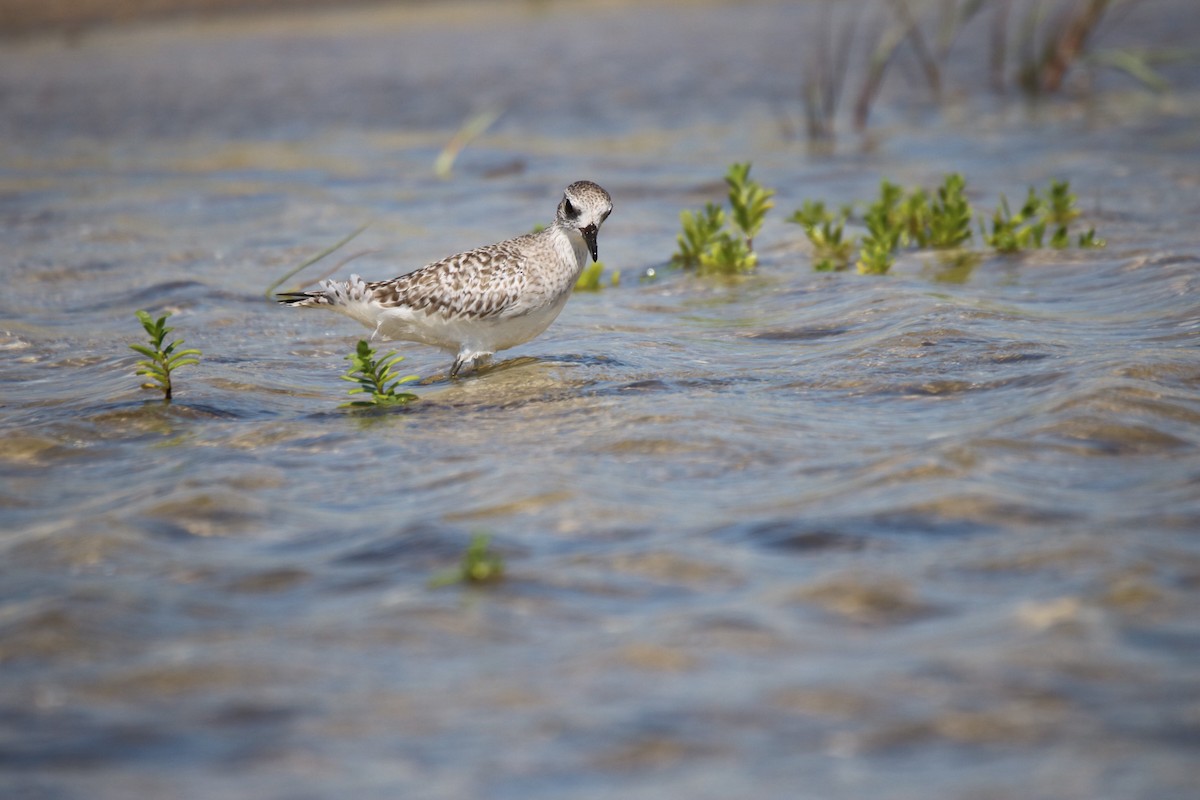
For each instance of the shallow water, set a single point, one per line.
(796, 534)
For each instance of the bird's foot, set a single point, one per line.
(474, 360)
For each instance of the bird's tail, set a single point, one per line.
(331, 293)
(302, 299)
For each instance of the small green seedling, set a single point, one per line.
(832, 251)
(589, 279)
(161, 361)
(377, 378)
(1089, 240)
(479, 565)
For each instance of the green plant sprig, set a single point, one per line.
(1059, 211)
(1012, 233)
(727, 255)
(950, 215)
(716, 242)
(161, 361)
(885, 231)
(832, 251)
(1088, 240)
(479, 565)
(700, 228)
(914, 214)
(376, 377)
(749, 200)
(589, 279)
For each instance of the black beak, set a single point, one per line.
(589, 236)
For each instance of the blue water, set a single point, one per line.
(793, 535)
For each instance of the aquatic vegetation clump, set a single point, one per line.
(161, 361)
(940, 220)
(376, 377)
(1053, 210)
(716, 242)
(896, 219)
(479, 565)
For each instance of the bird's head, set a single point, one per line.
(584, 207)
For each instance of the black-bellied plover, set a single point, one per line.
(484, 300)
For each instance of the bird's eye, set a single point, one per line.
(569, 209)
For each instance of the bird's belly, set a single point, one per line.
(456, 332)
(513, 331)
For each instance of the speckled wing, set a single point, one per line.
(481, 283)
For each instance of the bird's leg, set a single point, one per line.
(476, 360)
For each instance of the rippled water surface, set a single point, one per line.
(791, 535)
